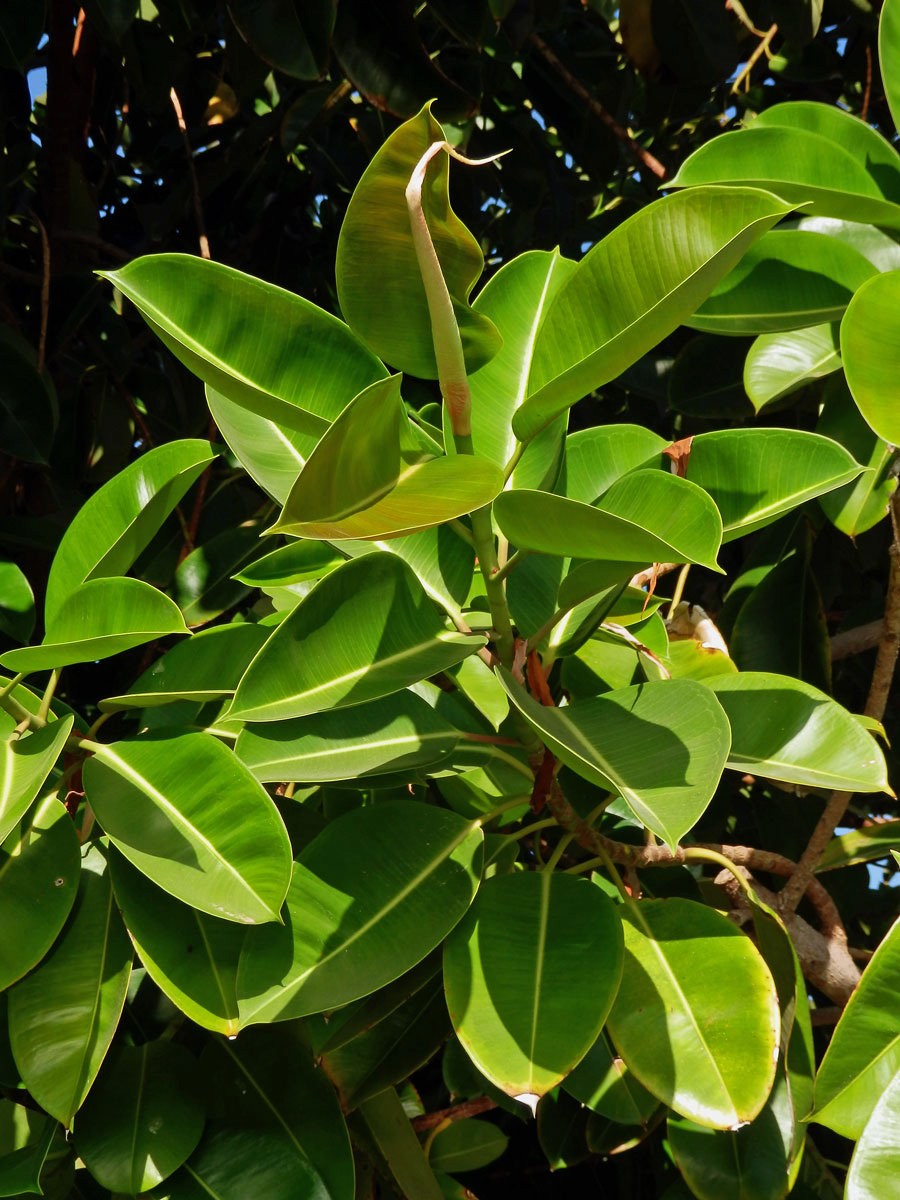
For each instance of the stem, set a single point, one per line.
(536, 638)
(511, 564)
(514, 460)
(496, 594)
(20, 712)
(695, 854)
(459, 528)
(570, 836)
(679, 589)
(12, 685)
(47, 697)
(515, 802)
(534, 827)
(99, 723)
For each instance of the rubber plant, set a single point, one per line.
(408, 800)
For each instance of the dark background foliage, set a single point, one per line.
(283, 106)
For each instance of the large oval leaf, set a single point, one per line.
(634, 287)
(889, 55)
(596, 458)
(875, 1166)
(783, 728)
(395, 733)
(374, 893)
(111, 529)
(368, 629)
(270, 452)
(25, 763)
(870, 347)
(803, 167)
(530, 975)
(262, 347)
(143, 1117)
(63, 1014)
(103, 617)
(188, 814)
(646, 516)
(863, 1056)
(603, 1083)
(379, 284)
(787, 280)
(39, 867)
(661, 745)
(190, 956)
(696, 1016)
(788, 467)
(777, 364)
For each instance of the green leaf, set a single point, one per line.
(371, 895)
(785, 729)
(39, 867)
(16, 603)
(870, 148)
(467, 1145)
(292, 38)
(143, 1117)
(696, 1016)
(787, 467)
(870, 347)
(874, 244)
(111, 529)
(190, 956)
(293, 563)
(188, 814)
(388, 1124)
(234, 1161)
(20, 1170)
(646, 516)
(63, 1014)
(858, 506)
(661, 746)
(517, 970)
(25, 763)
(788, 279)
(367, 630)
(889, 55)
(779, 363)
(562, 1129)
(804, 168)
(516, 299)
(672, 254)
(876, 1160)
(379, 284)
(603, 1083)
(861, 845)
(356, 483)
(205, 583)
(596, 458)
(201, 668)
(863, 1056)
(28, 409)
(102, 618)
(261, 347)
(396, 733)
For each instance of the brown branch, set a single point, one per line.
(856, 641)
(91, 239)
(867, 93)
(468, 1108)
(644, 578)
(195, 186)
(45, 284)
(644, 157)
(876, 702)
(825, 1016)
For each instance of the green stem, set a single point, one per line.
(603, 860)
(515, 802)
(695, 854)
(20, 712)
(47, 698)
(12, 685)
(459, 528)
(483, 533)
(514, 460)
(567, 838)
(679, 589)
(510, 564)
(535, 827)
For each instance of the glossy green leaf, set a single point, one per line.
(870, 347)
(351, 928)
(39, 867)
(261, 347)
(889, 55)
(205, 667)
(252, 1159)
(367, 630)
(20, 1169)
(696, 1016)
(396, 733)
(804, 168)
(779, 363)
(189, 815)
(661, 746)
(672, 254)
(467, 1145)
(191, 957)
(856, 507)
(478, 682)
(356, 483)
(596, 458)
(102, 618)
(293, 563)
(111, 529)
(787, 467)
(562, 1130)
(389, 1125)
(861, 845)
(603, 1083)
(205, 581)
(870, 148)
(517, 970)
(143, 1117)
(875, 1166)
(293, 39)
(379, 284)
(25, 763)
(646, 516)
(783, 728)
(517, 300)
(874, 244)
(788, 279)
(863, 1056)
(16, 603)
(63, 1014)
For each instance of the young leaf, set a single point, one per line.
(603, 1083)
(25, 763)
(389, 1125)
(870, 348)
(518, 969)
(889, 55)
(778, 364)
(467, 1145)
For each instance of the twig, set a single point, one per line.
(91, 239)
(468, 1108)
(876, 702)
(45, 286)
(761, 49)
(644, 157)
(867, 92)
(825, 1016)
(643, 578)
(856, 641)
(198, 204)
